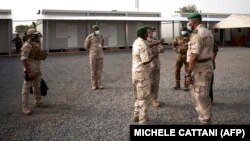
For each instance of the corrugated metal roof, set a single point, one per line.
(124, 16)
(113, 18)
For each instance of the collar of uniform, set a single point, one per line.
(196, 29)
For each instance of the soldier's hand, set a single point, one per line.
(31, 76)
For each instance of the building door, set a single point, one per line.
(72, 36)
(221, 34)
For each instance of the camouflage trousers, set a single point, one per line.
(155, 81)
(200, 91)
(36, 89)
(96, 66)
(180, 60)
(142, 94)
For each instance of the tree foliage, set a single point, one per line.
(188, 9)
(21, 28)
(24, 28)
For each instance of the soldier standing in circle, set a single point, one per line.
(94, 44)
(141, 58)
(155, 66)
(31, 55)
(200, 70)
(180, 46)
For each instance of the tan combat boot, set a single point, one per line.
(177, 85)
(143, 120)
(94, 88)
(26, 110)
(155, 103)
(41, 104)
(100, 87)
(136, 117)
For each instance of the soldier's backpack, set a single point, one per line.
(43, 88)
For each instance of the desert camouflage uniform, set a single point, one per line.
(181, 45)
(94, 43)
(155, 68)
(32, 53)
(141, 79)
(201, 43)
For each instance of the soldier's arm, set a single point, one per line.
(87, 43)
(174, 44)
(192, 63)
(161, 48)
(145, 54)
(151, 45)
(26, 66)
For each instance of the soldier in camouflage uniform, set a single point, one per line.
(94, 44)
(31, 55)
(141, 58)
(200, 70)
(155, 66)
(180, 46)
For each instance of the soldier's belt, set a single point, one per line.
(203, 60)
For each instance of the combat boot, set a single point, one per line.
(100, 87)
(136, 117)
(26, 110)
(155, 103)
(41, 104)
(177, 85)
(143, 120)
(94, 88)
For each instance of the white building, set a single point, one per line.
(5, 31)
(66, 29)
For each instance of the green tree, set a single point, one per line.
(188, 9)
(21, 28)
(24, 28)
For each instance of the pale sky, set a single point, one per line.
(27, 9)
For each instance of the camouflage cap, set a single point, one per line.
(194, 15)
(32, 31)
(141, 29)
(95, 27)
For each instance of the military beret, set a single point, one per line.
(194, 15)
(95, 27)
(141, 29)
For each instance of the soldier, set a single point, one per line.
(25, 37)
(141, 58)
(199, 56)
(94, 44)
(215, 50)
(155, 66)
(180, 45)
(31, 54)
(18, 43)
